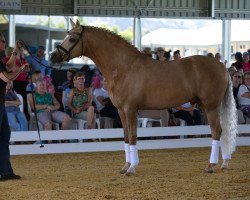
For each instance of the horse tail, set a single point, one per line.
(228, 120)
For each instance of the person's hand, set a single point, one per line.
(26, 67)
(50, 108)
(77, 111)
(17, 46)
(4, 78)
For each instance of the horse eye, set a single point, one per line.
(72, 39)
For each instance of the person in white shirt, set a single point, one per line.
(104, 104)
(244, 95)
(189, 113)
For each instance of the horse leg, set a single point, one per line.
(131, 121)
(126, 142)
(214, 121)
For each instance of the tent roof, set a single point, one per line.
(206, 36)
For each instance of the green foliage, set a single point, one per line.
(127, 34)
(82, 20)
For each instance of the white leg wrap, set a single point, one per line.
(127, 152)
(224, 156)
(134, 159)
(215, 151)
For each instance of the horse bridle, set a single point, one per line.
(66, 53)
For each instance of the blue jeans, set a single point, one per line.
(17, 121)
(5, 165)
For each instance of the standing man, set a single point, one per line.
(38, 62)
(6, 171)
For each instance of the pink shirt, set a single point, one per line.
(23, 75)
(246, 66)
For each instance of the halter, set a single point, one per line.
(66, 53)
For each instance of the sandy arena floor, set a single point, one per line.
(162, 174)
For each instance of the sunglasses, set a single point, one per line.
(3, 41)
(238, 76)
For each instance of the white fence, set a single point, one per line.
(112, 139)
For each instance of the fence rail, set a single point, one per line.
(112, 139)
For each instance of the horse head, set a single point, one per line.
(70, 46)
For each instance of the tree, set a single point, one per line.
(127, 34)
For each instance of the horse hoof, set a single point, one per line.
(225, 165)
(131, 170)
(125, 168)
(210, 168)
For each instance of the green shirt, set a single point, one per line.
(79, 98)
(45, 99)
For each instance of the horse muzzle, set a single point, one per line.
(56, 57)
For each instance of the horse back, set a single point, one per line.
(151, 84)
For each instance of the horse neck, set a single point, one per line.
(109, 52)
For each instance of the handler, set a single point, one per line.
(7, 72)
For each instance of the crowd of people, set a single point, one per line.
(85, 94)
(239, 72)
(240, 75)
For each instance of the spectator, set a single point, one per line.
(47, 108)
(237, 80)
(239, 61)
(50, 88)
(177, 55)
(217, 56)
(147, 51)
(88, 75)
(231, 71)
(70, 75)
(189, 113)
(104, 104)
(211, 55)
(244, 95)
(19, 85)
(17, 119)
(246, 62)
(160, 54)
(21, 82)
(37, 62)
(65, 94)
(96, 80)
(167, 55)
(80, 101)
(32, 79)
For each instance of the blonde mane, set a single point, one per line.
(117, 38)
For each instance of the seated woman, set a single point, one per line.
(16, 117)
(80, 101)
(47, 108)
(189, 113)
(244, 95)
(32, 81)
(66, 90)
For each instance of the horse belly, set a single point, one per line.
(162, 99)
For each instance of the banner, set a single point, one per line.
(10, 4)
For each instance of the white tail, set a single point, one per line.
(228, 120)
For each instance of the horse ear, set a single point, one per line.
(72, 23)
(77, 23)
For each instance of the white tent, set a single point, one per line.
(205, 36)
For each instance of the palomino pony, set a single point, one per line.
(138, 82)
